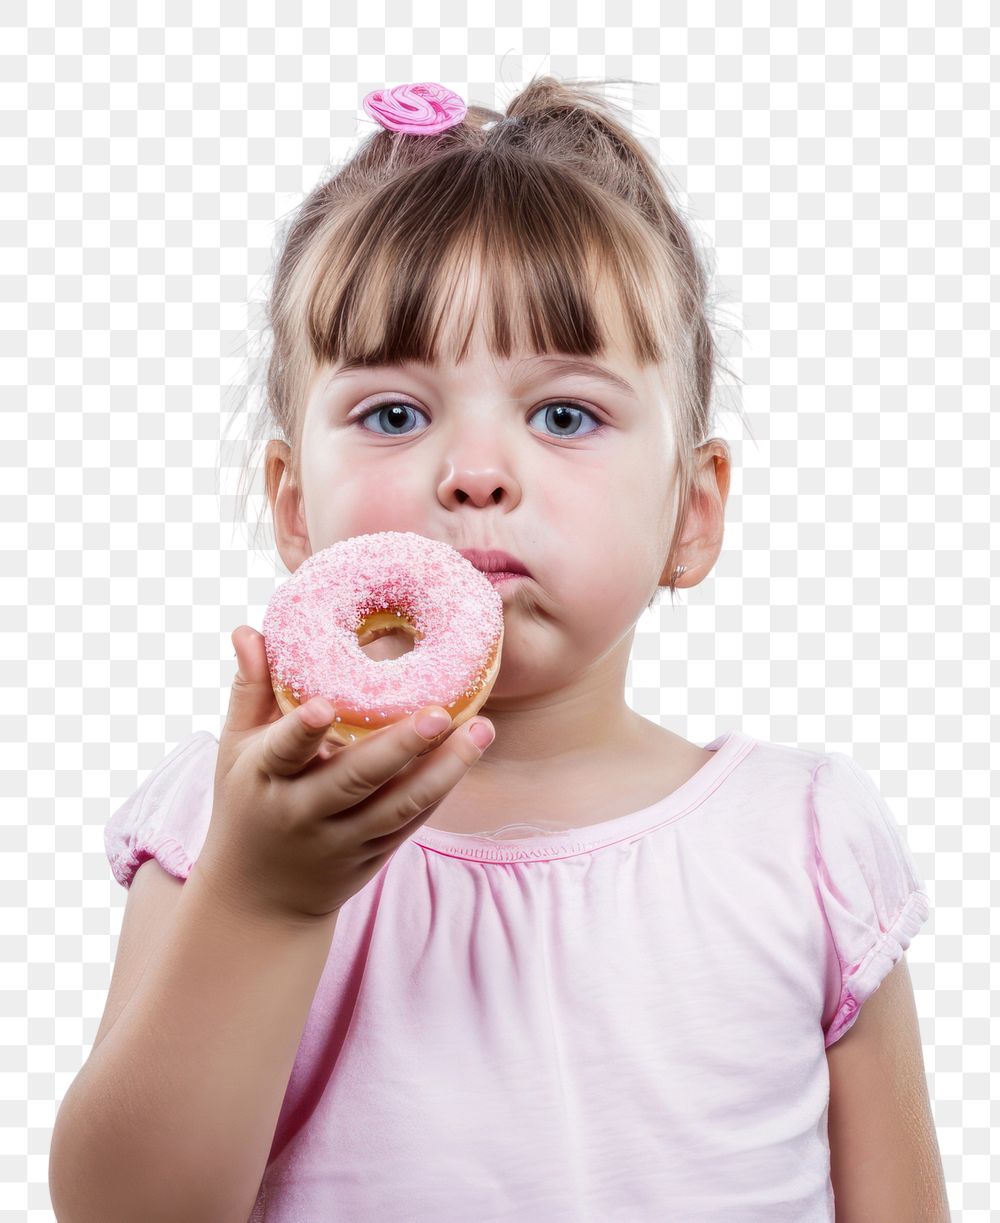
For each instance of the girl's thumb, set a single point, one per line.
(251, 701)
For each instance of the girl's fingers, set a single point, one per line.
(291, 742)
(251, 701)
(356, 772)
(409, 799)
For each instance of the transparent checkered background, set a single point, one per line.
(838, 162)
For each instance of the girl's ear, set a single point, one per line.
(704, 525)
(290, 533)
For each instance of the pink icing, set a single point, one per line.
(311, 624)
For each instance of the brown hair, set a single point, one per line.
(550, 201)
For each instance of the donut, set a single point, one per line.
(360, 588)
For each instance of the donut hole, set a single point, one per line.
(383, 636)
(389, 643)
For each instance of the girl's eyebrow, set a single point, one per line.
(556, 365)
(581, 365)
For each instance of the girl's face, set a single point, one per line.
(569, 473)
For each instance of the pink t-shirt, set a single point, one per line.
(624, 1022)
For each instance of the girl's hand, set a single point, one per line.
(293, 835)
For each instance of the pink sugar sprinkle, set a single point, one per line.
(311, 624)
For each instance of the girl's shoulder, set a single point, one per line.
(167, 817)
(861, 851)
(838, 794)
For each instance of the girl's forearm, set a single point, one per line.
(174, 1113)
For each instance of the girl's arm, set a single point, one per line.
(884, 1157)
(173, 1115)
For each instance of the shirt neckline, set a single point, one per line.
(728, 750)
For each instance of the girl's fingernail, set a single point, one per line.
(431, 723)
(482, 734)
(317, 713)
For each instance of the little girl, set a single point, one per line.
(588, 971)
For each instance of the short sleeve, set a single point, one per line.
(871, 891)
(167, 818)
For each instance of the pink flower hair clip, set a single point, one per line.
(421, 109)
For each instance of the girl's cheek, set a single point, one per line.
(370, 511)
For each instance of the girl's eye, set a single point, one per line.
(393, 412)
(561, 416)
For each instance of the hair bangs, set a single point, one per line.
(527, 253)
